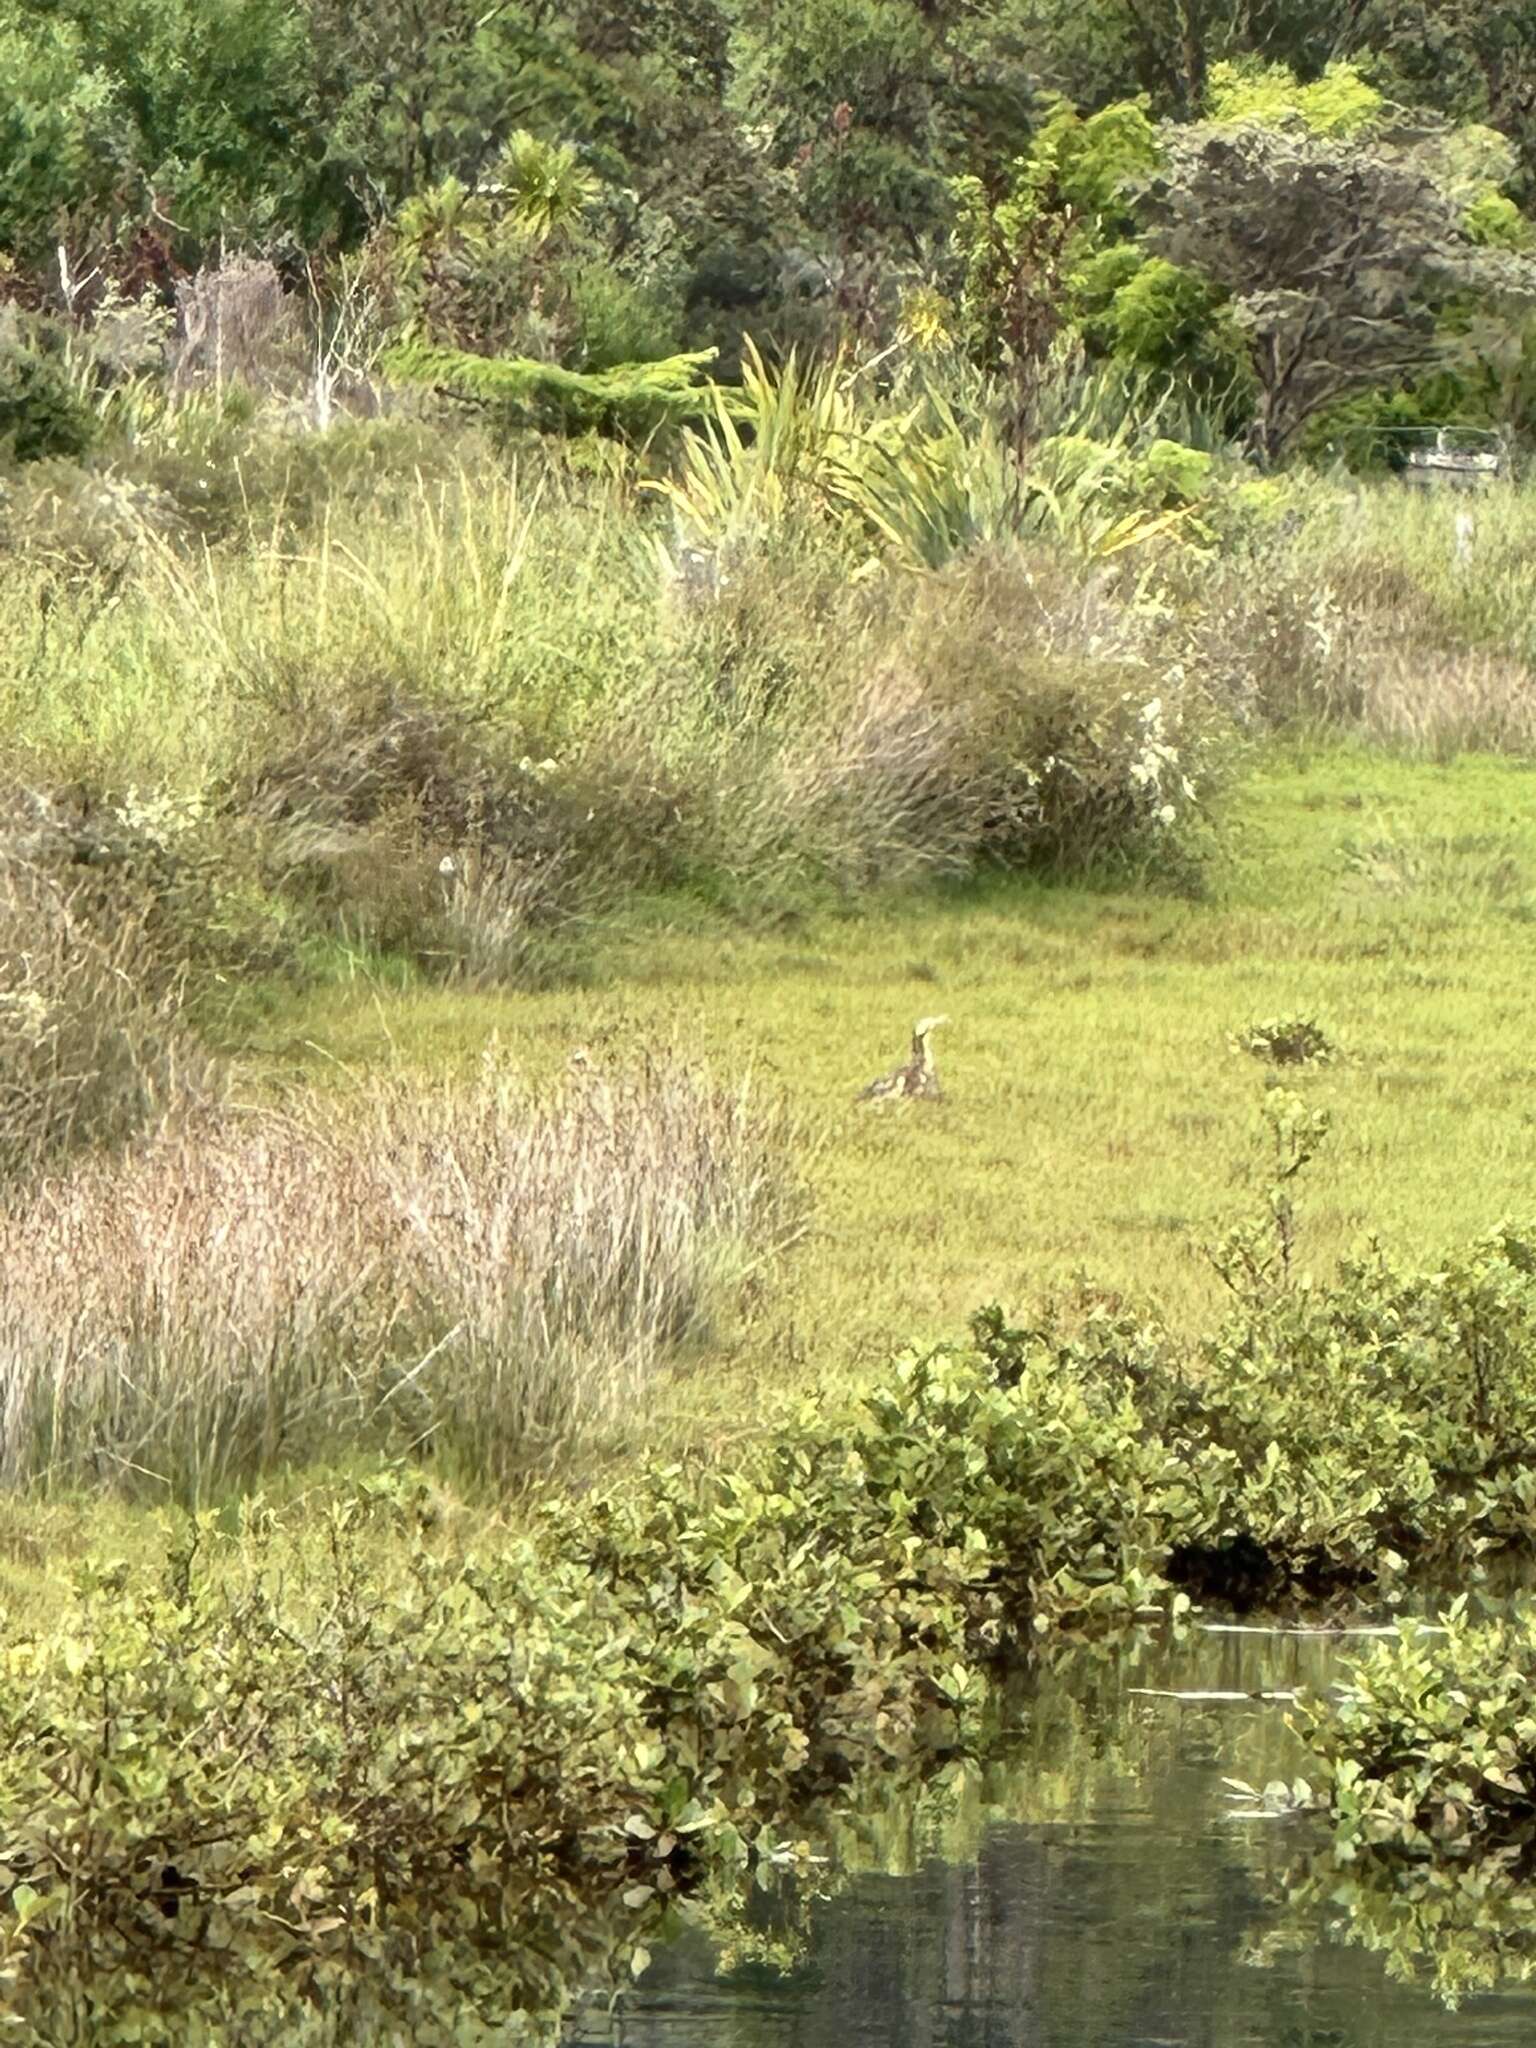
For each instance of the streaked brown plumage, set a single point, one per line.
(916, 1076)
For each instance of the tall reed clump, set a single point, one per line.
(469, 1272)
(1403, 618)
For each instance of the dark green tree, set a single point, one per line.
(1338, 260)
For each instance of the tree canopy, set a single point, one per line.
(1146, 182)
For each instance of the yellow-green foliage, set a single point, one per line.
(1090, 161)
(631, 398)
(1340, 102)
(786, 449)
(1497, 222)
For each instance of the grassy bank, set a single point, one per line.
(1098, 1118)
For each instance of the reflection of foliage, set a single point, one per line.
(1464, 1928)
(438, 1973)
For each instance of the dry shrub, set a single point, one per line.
(91, 1050)
(871, 797)
(1362, 647)
(470, 1273)
(345, 748)
(236, 324)
(1000, 711)
(1069, 748)
(1273, 644)
(1443, 702)
(413, 826)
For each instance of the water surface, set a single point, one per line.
(1101, 1890)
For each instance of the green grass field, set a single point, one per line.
(1098, 1120)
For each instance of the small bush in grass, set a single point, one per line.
(470, 1271)
(1287, 1042)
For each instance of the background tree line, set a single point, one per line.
(1289, 206)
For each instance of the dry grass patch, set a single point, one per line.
(90, 1050)
(469, 1272)
(1446, 701)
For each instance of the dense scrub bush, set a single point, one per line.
(461, 719)
(42, 412)
(1072, 751)
(1430, 1747)
(655, 1678)
(369, 1791)
(1334, 1434)
(1385, 1418)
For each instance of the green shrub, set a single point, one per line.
(1426, 1761)
(1429, 1748)
(1381, 1419)
(42, 412)
(632, 399)
(614, 320)
(359, 1796)
(1287, 1042)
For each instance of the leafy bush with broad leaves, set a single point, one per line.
(1330, 1435)
(299, 1792)
(1386, 1416)
(1426, 1761)
(653, 1677)
(1430, 1748)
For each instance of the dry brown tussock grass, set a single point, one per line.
(91, 1050)
(470, 1272)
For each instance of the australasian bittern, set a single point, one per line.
(915, 1076)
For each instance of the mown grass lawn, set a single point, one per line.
(1097, 1117)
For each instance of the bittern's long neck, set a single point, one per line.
(920, 1051)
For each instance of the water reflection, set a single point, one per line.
(1095, 1887)
(1100, 1891)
